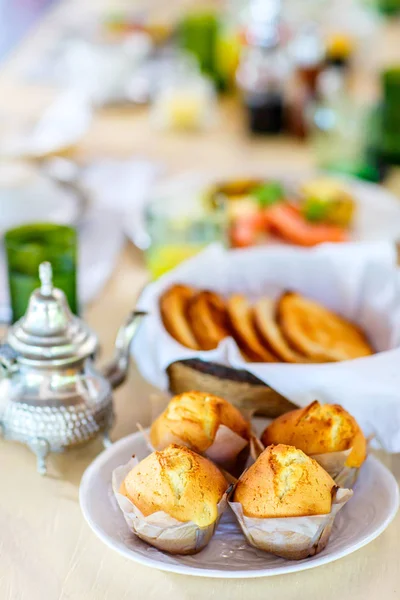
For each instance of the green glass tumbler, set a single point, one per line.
(27, 247)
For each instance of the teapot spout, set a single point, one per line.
(116, 371)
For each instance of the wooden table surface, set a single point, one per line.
(47, 551)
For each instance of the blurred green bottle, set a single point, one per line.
(215, 40)
(389, 116)
(389, 8)
(197, 35)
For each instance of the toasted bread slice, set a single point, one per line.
(318, 332)
(173, 307)
(270, 333)
(243, 330)
(208, 319)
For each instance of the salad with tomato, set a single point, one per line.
(321, 210)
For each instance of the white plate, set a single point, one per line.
(378, 210)
(367, 514)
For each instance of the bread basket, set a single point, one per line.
(359, 282)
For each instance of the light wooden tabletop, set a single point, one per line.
(47, 551)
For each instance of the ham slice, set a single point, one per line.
(286, 221)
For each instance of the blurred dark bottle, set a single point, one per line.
(311, 54)
(262, 70)
(307, 54)
(262, 86)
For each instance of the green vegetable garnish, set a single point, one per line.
(268, 194)
(333, 212)
(315, 209)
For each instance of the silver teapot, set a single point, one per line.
(52, 396)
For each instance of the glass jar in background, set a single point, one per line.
(180, 225)
(184, 99)
(342, 129)
(27, 247)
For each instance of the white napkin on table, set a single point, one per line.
(124, 187)
(61, 126)
(359, 281)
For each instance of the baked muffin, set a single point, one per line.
(207, 424)
(286, 503)
(284, 482)
(172, 499)
(319, 429)
(180, 482)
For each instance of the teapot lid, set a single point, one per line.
(49, 332)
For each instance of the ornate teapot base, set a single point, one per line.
(52, 442)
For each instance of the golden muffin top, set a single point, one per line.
(194, 418)
(317, 429)
(284, 482)
(179, 482)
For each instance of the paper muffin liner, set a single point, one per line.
(228, 450)
(293, 538)
(160, 529)
(335, 464)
